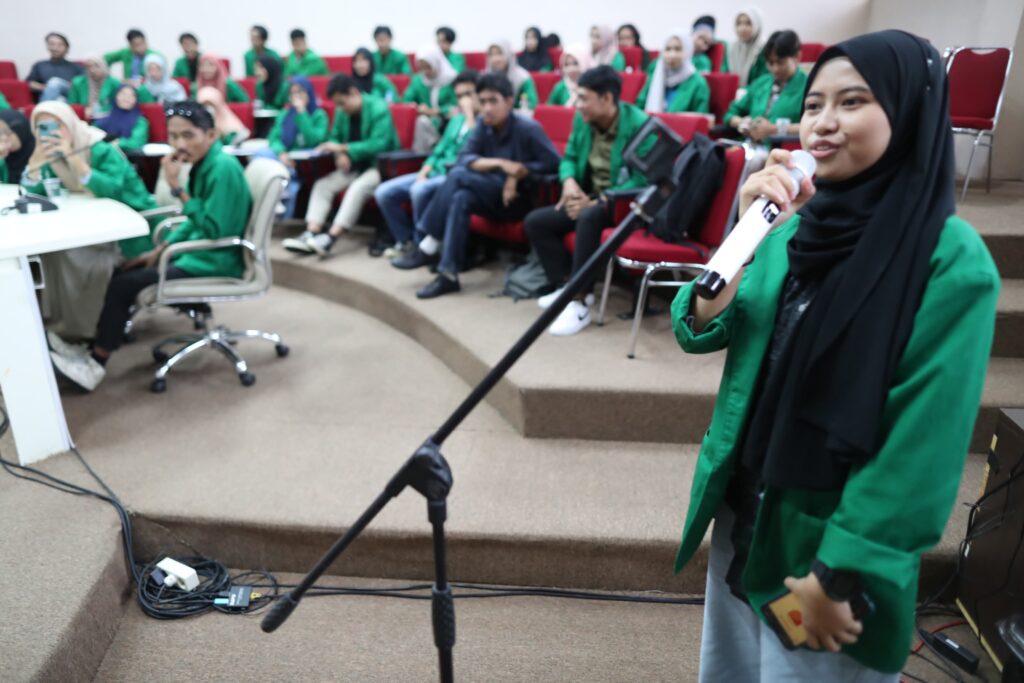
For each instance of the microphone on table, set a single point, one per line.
(744, 239)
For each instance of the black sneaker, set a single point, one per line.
(439, 287)
(415, 259)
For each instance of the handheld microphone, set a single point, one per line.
(744, 239)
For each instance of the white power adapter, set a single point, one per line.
(178, 575)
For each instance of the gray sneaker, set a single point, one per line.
(396, 250)
(300, 244)
(82, 370)
(321, 243)
(63, 348)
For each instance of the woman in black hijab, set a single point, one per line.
(535, 56)
(16, 145)
(270, 81)
(857, 345)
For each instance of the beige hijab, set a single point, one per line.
(606, 53)
(223, 118)
(83, 137)
(581, 54)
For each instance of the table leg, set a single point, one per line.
(26, 372)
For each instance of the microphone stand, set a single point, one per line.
(427, 471)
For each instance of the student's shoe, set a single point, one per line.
(321, 243)
(548, 299)
(61, 347)
(416, 258)
(82, 370)
(441, 285)
(398, 249)
(573, 319)
(300, 244)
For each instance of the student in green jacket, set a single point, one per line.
(388, 60)
(364, 73)
(574, 62)
(432, 93)
(303, 61)
(535, 56)
(271, 86)
(746, 53)
(591, 166)
(216, 202)
(629, 36)
(94, 89)
(776, 96)
(445, 39)
(362, 129)
(4, 104)
(703, 39)
(213, 74)
(125, 125)
(131, 57)
(857, 340)
(187, 65)
(673, 82)
(258, 37)
(16, 145)
(501, 60)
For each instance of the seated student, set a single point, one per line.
(703, 39)
(159, 86)
(187, 66)
(213, 74)
(94, 89)
(51, 78)
(125, 125)
(216, 202)
(493, 176)
(303, 61)
(575, 60)
(419, 188)
(674, 84)
(364, 72)
(502, 62)
(301, 125)
(431, 91)
(445, 40)
(16, 145)
(386, 59)
(230, 129)
(76, 279)
(258, 37)
(131, 58)
(746, 57)
(534, 56)
(271, 87)
(592, 165)
(602, 45)
(362, 129)
(778, 95)
(629, 36)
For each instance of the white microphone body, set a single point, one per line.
(748, 234)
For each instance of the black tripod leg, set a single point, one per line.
(443, 608)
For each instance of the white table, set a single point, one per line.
(26, 371)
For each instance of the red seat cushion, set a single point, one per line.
(17, 93)
(8, 69)
(404, 118)
(511, 231)
(339, 64)
(634, 57)
(556, 122)
(641, 246)
(244, 112)
(723, 91)
(475, 60)
(319, 84)
(977, 79)
(975, 122)
(400, 81)
(248, 85)
(545, 82)
(157, 118)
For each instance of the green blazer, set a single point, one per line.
(384, 88)
(395, 63)
(4, 104)
(529, 90)
(312, 130)
(457, 61)
(124, 56)
(219, 207)
(419, 93)
(250, 60)
(79, 92)
(310, 64)
(180, 68)
(236, 93)
(138, 137)
(446, 151)
(755, 101)
(559, 94)
(577, 150)
(895, 507)
(703, 61)
(376, 127)
(692, 95)
(757, 69)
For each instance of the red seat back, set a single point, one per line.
(154, 113)
(809, 52)
(226, 63)
(723, 91)
(16, 92)
(717, 55)
(411, 56)
(634, 57)
(556, 56)
(8, 70)
(244, 112)
(328, 106)
(476, 60)
(400, 81)
(248, 85)
(186, 84)
(339, 64)
(977, 77)
(719, 215)
(404, 118)
(632, 84)
(319, 84)
(556, 122)
(79, 110)
(686, 125)
(545, 82)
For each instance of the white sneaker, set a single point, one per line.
(573, 319)
(300, 244)
(63, 348)
(548, 299)
(321, 243)
(82, 370)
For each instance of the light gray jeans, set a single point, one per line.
(737, 647)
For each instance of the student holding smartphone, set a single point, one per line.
(858, 339)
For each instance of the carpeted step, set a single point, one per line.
(1009, 339)
(996, 216)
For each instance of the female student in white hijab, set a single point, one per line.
(431, 91)
(603, 49)
(575, 60)
(159, 84)
(674, 85)
(745, 53)
(502, 60)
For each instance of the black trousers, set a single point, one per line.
(546, 229)
(122, 291)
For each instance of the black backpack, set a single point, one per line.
(698, 173)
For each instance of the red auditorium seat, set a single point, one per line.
(634, 57)
(686, 125)
(154, 113)
(339, 64)
(227, 65)
(556, 122)
(16, 92)
(632, 84)
(404, 118)
(977, 83)
(186, 84)
(248, 85)
(9, 70)
(244, 112)
(411, 56)
(717, 54)
(319, 84)
(809, 52)
(556, 56)
(723, 92)
(400, 81)
(545, 82)
(476, 60)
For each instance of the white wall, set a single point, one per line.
(339, 27)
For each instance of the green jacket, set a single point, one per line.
(146, 97)
(124, 56)
(376, 127)
(757, 69)
(236, 93)
(4, 104)
(395, 63)
(138, 137)
(312, 130)
(219, 207)
(755, 101)
(458, 61)
(447, 149)
(79, 92)
(278, 101)
(528, 90)
(419, 93)
(384, 88)
(559, 94)
(250, 60)
(692, 95)
(181, 68)
(893, 508)
(577, 150)
(703, 61)
(310, 64)
(3, 171)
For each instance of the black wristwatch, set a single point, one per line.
(176, 192)
(838, 584)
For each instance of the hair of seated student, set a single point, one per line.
(340, 84)
(782, 44)
(602, 79)
(497, 83)
(447, 32)
(134, 33)
(262, 30)
(467, 76)
(60, 36)
(185, 36)
(193, 111)
(385, 30)
(298, 33)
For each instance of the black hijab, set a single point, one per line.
(275, 77)
(537, 59)
(866, 242)
(364, 83)
(20, 126)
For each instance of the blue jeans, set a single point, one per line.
(291, 192)
(55, 89)
(390, 196)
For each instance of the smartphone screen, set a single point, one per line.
(47, 129)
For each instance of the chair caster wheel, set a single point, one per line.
(160, 357)
(282, 350)
(158, 386)
(128, 337)
(247, 379)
